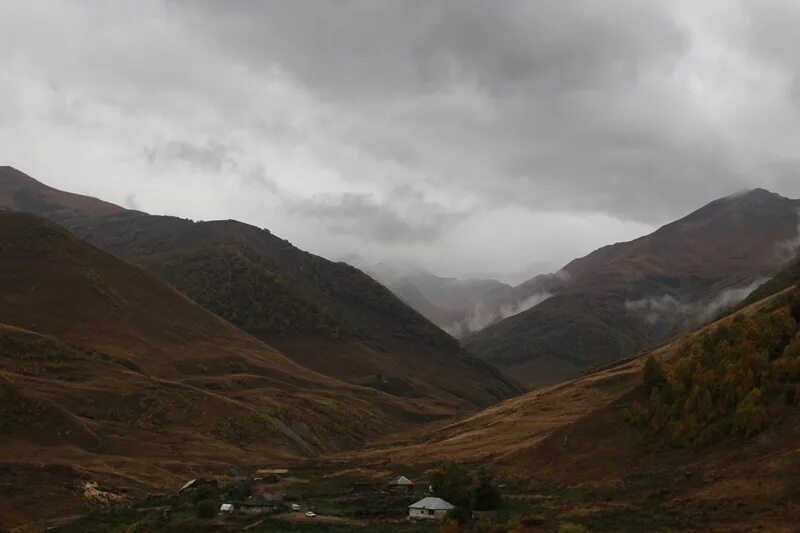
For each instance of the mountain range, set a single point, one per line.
(458, 306)
(576, 450)
(616, 300)
(326, 316)
(143, 350)
(628, 296)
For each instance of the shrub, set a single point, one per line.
(204, 492)
(459, 514)
(485, 495)
(514, 524)
(750, 416)
(653, 374)
(452, 483)
(206, 509)
(569, 527)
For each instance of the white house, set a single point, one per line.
(226, 508)
(429, 508)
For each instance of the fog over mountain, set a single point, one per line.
(470, 138)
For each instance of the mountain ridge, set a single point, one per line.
(627, 296)
(326, 316)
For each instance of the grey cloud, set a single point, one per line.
(210, 156)
(576, 104)
(381, 48)
(258, 176)
(364, 216)
(400, 114)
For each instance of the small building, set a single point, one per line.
(429, 508)
(402, 484)
(226, 508)
(259, 505)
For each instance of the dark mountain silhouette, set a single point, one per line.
(109, 374)
(630, 295)
(327, 316)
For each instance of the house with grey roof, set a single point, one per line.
(429, 508)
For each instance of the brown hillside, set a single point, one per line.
(572, 452)
(628, 296)
(326, 316)
(108, 374)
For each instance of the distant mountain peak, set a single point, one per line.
(723, 248)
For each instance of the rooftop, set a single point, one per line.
(434, 504)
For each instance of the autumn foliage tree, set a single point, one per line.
(723, 382)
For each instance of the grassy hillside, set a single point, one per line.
(698, 434)
(327, 316)
(113, 375)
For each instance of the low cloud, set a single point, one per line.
(131, 203)
(483, 316)
(789, 250)
(668, 310)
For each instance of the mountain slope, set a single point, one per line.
(82, 304)
(576, 451)
(326, 316)
(109, 374)
(630, 295)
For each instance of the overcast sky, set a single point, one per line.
(494, 138)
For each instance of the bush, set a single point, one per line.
(485, 495)
(452, 483)
(204, 492)
(514, 524)
(206, 509)
(653, 374)
(569, 527)
(750, 416)
(459, 515)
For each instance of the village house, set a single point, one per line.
(260, 505)
(270, 475)
(429, 508)
(402, 484)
